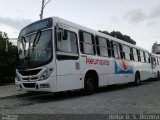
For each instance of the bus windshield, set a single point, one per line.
(35, 49)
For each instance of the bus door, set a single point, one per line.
(67, 59)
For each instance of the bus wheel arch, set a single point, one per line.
(91, 82)
(137, 78)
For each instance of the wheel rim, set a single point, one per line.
(138, 80)
(90, 84)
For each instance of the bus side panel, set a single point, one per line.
(106, 72)
(123, 71)
(100, 65)
(68, 82)
(144, 69)
(68, 77)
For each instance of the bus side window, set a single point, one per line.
(157, 61)
(139, 57)
(127, 52)
(121, 54)
(112, 50)
(144, 56)
(109, 48)
(67, 43)
(147, 56)
(117, 50)
(102, 46)
(135, 54)
(131, 54)
(87, 43)
(151, 59)
(97, 45)
(154, 61)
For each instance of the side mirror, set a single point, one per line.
(65, 35)
(59, 35)
(62, 34)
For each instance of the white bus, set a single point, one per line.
(57, 55)
(155, 59)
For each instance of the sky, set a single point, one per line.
(140, 19)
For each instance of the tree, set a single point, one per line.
(7, 59)
(3, 40)
(119, 35)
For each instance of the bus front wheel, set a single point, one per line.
(89, 85)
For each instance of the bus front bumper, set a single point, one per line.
(40, 86)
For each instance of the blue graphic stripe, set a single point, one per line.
(119, 70)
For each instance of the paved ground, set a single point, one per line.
(9, 90)
(142, 99)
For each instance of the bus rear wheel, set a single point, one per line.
(89, 85)
(137, 79)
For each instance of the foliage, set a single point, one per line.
(119, 35)
(7, 59)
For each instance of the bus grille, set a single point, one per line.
(29, 85)
(29, 72)
(29, 79)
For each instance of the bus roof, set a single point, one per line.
(80, 27)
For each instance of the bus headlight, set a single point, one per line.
(46, 74)
(17, 78)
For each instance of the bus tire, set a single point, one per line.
(89, 85)
(137, 79)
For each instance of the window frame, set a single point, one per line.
(81, 42)
(133, 48)
(108, 46)
(157, 61)
(129, 53)
(142, 57)
(119, 52)
(64, 55)
(147, 57)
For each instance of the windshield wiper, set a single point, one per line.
(36, 40)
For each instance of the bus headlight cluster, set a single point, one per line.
(46, 74)
(17, 78)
